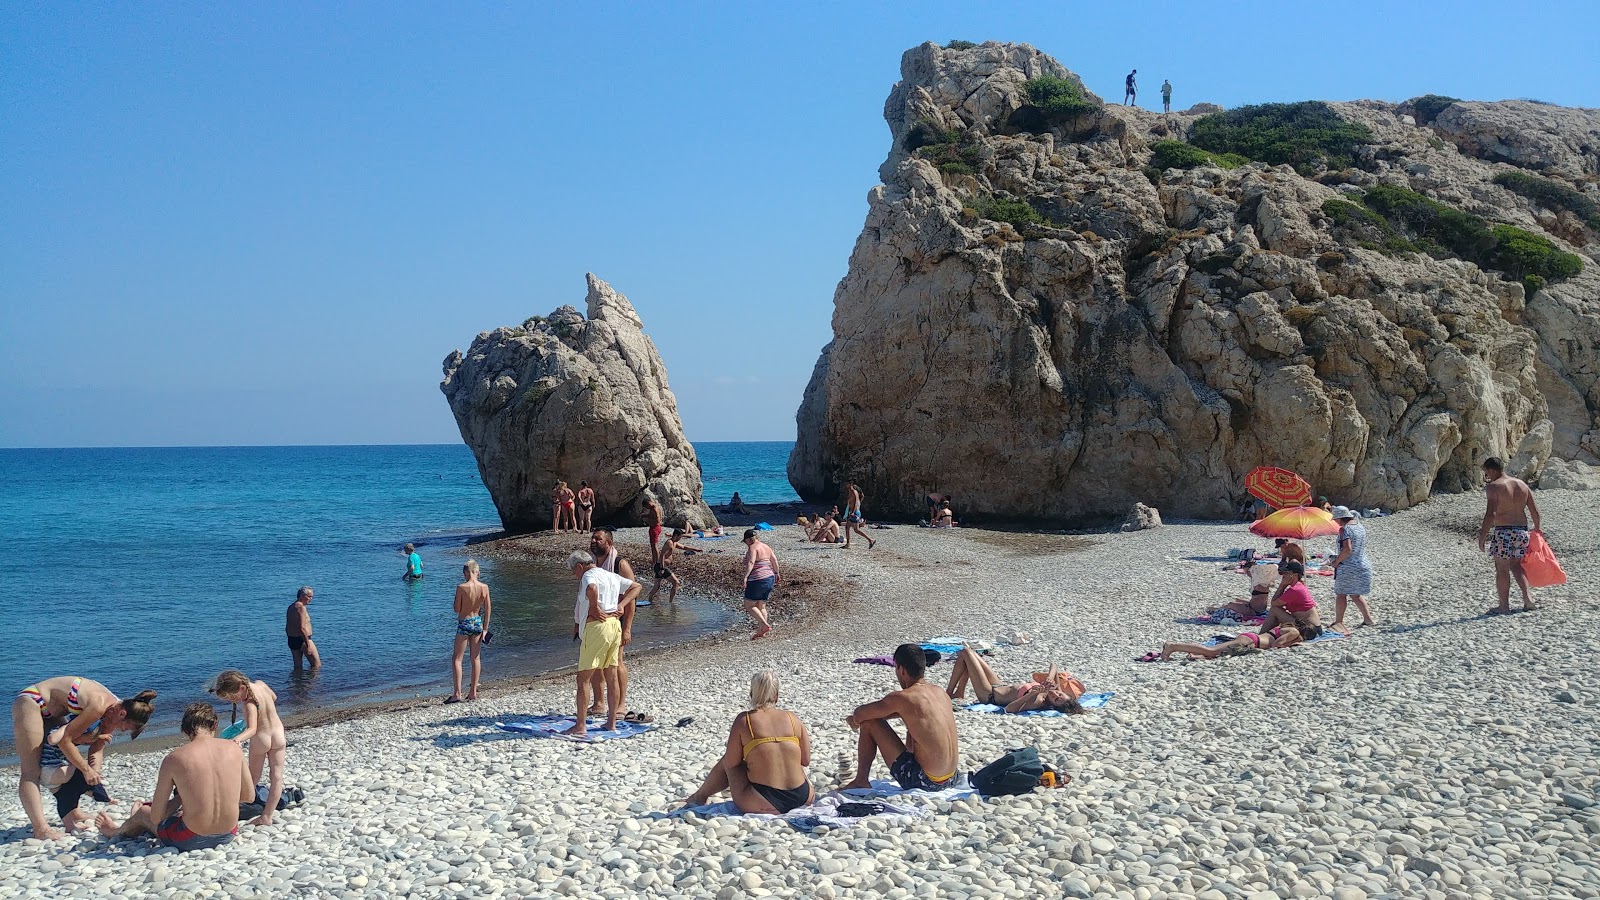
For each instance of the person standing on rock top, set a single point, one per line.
(1166, 96)
(1130, 91)
(1504, 533)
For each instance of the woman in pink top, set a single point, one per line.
(760, 576)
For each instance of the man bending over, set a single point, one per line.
(928, 758)
(198, 790)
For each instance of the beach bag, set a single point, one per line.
(1540, 565)
(1017, 772)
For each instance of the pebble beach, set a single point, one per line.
(1439, 754)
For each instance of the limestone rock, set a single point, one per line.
(569, 398)
(1160, 335)
(1567, 475)
(1142, 518)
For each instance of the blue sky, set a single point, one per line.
(268, 224)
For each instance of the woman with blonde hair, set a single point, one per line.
(472, 623)
(767, 748)
(263, 729)
(50, 719)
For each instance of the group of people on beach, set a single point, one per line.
(63, 725)
(571, 511)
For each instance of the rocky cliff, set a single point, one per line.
(1058, 307)
(564, 398)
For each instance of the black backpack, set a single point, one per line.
(1017, 772)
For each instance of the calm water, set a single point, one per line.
(160, 567)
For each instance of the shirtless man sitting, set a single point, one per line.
(827, 530)
(928, 758)
(1504, 533)
(198, 790)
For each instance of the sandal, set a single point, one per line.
(453, 699)
(1152, 656)
(639, 718)
(685, 722)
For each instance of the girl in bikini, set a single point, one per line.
(585, 507)
(263, 729)
(563, 514)
(1045, 692)
(1281, 636)
(767, 748)
(51, 719)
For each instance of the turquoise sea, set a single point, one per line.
(159, 567)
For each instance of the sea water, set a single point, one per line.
(160, 567)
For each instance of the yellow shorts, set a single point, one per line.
(602, 645)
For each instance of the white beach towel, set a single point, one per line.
(551, 726)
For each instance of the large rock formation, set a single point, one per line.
(564, 398)
(1159, 334)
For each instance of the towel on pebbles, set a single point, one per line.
(1226, 617)
(551, 726)
(1087, 701)
(825, 811)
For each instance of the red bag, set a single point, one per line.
(1540, 565)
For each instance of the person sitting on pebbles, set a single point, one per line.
(198, 790)
(767, 746)
(945, 517)
(1293, 604)
(1044, 693)
(929, 757)
(1277, 638)
(826, 530)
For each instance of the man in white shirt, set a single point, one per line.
(597, 621)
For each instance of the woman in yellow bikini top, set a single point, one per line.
(756, 768)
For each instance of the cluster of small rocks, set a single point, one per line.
(1439, 755)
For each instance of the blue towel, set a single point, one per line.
(943, 649)
(762, 526)
(551, 726)
(1328, 635)
(1087, 701)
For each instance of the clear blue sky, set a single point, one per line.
(268, 224)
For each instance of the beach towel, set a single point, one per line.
(1328, 635)
(825, 811)
(551, 726)
(1227, 617)
(1539, 563)
(762, 526)
(1087, 701)
(883, 787)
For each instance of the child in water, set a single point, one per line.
(262, 728)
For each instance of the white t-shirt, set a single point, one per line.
(1262, 575)
(608, 585)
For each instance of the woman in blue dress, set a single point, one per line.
(1352, 573)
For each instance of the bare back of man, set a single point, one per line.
(198, 791)
(1505, 532)
(929, 756)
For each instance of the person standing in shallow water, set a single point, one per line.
(1505, 533)
(1352, 573)
(297, 625)
(473, 612)
(413, 563)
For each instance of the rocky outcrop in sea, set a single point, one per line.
(568, 398)
(1059, 307)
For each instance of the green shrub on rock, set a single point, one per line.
(1001, 209)
(1058, 98)
(1552, 194)
(1427, 107)
(960, 45)
(1531, 284)
(1460, 233)
(1294, 133)
(1178, 155)
(1519, 252)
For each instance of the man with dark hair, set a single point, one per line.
(929, 757)
(198, 790)
(1130, 88)
(1504, 533)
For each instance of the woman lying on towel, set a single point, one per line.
(767, 747)
(1049, 690)
(1281, 636)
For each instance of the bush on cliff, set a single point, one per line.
(1427, 107)
(1298, 134)
(1014, 212)
(1521, 253)
(947, 148)
(1178, 155)
(1059, 98)
(1458, 233)
(1446, 231)
(1552, 194)
(960, 45)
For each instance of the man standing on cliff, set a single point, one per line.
(602, 546)
(1166, 96)
(297, 626)
(1504, 533)
(1130, 91)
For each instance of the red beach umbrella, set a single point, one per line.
(1280, 488)
(1298, 522)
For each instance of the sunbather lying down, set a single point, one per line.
(1045, 692)
(1281, 636)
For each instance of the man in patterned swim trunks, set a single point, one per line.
(198, 790)
(1505, 531)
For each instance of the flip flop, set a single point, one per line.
(453, 700)
(685, 722)
(1152, 656)
(639, 718)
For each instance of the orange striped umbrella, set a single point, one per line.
(1299, 522)
(1280, 488)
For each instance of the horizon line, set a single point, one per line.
(307, 446)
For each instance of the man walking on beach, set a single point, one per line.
(1504, 533)
(1130, 90)
(602, 546)
(297, 625)
(929, 757)
(597, 621)
(198, 790)
(1166, 96)
(852, 515)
